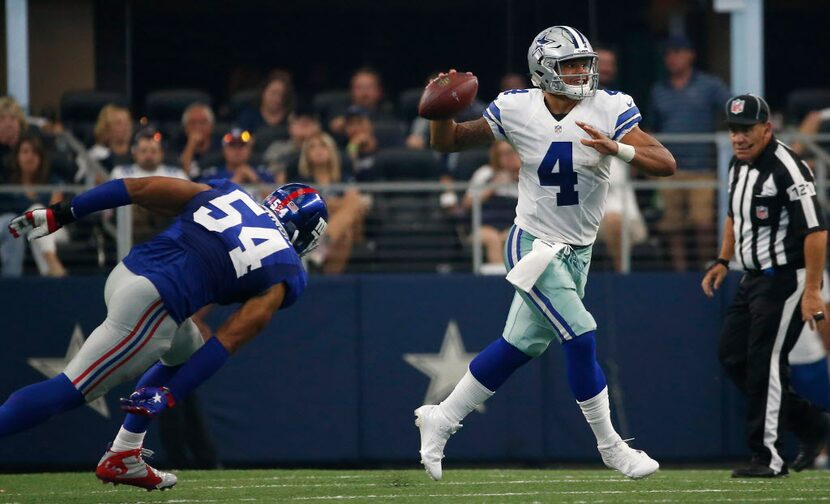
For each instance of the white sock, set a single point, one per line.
(126, 440)
(465, 397)
(598, 414)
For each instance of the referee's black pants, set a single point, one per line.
(761, 327)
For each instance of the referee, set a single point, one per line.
(775, 232)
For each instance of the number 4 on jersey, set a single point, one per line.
(560, 153)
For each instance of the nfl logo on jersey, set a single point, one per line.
(761, 212)
(737, 107)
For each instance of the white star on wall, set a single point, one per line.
(445, 368)
(53, 366)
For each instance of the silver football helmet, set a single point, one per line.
(547, 52)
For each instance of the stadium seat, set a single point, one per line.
(404, 164)
(79, 111)
(463, 164)
(168, 106)
(389, 134)
(330, 103)
(408, 103)
(801, 101)
(83, 106)
(242, 100)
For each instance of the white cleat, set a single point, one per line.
(435, 429)
(129, 468)
(635, 464)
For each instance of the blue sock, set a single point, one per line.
(36, 403)
(584, 374)
(494, 365)
(156, 376)
(202, 365)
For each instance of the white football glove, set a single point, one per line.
(37, 223)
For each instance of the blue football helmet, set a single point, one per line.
(303, 214)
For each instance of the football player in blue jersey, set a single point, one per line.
(224, 247)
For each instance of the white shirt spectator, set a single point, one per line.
(484, 175)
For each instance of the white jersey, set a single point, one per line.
(562, 183)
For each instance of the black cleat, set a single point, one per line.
(757, 470)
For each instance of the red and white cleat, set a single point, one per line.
(129, 468)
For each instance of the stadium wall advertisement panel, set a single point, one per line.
(336, 378)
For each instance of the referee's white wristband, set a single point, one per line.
(625, 152)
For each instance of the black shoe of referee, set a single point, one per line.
(810, 448)
(758, 470)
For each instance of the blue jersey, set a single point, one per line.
(223, 248)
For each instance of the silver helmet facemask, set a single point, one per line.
(549, 50)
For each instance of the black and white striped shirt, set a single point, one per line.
(773, 206)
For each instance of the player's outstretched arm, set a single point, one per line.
(636, 147)
(447, 135)
(240, 328)
(159, 194)
(250, 318)
(163, 195)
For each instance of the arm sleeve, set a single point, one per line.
(799, 196)
(493, 115)
(627, 116)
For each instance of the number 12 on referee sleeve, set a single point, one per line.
(560, 153)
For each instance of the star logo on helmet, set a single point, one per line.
(543, 39)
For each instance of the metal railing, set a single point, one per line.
(467, 254)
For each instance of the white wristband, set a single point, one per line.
(625, 152)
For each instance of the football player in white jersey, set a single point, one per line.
(566, 132)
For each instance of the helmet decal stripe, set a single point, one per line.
(295, 194)
(574, 34)
(581, 36)
(569, 34)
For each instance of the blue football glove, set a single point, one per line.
(148, 401)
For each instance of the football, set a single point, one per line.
(448, 95)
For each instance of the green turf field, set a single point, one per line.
(413, 486)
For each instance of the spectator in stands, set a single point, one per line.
(810, 125)
(362, 144)
(688, 101)
(148, 153)
(320, 165)
(512, 81)
(606, 67)
(149, 157)
(498, 204)
(237, 145)
(197, 122)
(28, 167)
(282, 156)
(366, 90)
(621, 203)
(113, 133)
(12, 126)
(275, 104)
